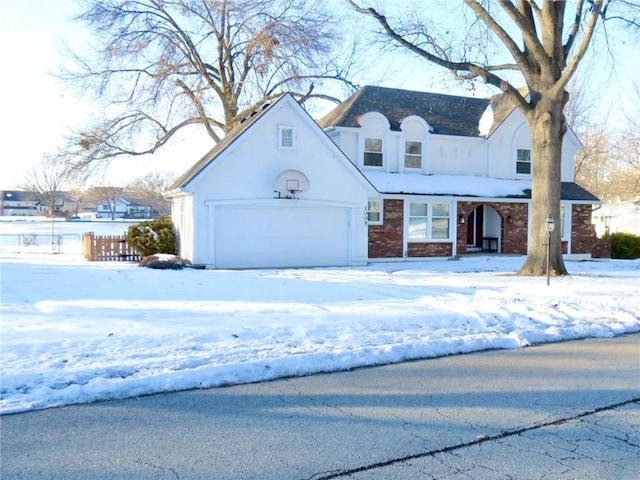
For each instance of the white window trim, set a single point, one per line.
(281, 136)
(565, 225)
(364, 152)
(515, 162)
(380, 202)
(429, 239)
(404, 154)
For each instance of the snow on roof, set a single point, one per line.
(460, 185)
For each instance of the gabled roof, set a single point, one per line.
(447, 114)
(222, 145)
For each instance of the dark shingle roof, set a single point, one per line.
(572, 191)
(447, 114)
(21, 196)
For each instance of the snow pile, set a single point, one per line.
(462, 185)
(76, 332)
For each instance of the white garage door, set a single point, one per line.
(258, 237)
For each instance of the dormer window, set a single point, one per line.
(286, 139)
(412, 154)
(372, 152)
(523, 161)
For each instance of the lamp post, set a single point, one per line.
(548, 225)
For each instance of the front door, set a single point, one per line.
(474, 229)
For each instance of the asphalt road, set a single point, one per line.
(559, 411)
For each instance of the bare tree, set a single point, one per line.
(151, 187)
(163, 65)
(47, 177)
(609, 163)
(595, 163)
(536, 42)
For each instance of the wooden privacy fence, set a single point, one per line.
(107, 248)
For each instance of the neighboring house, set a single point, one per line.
(112, 207)
(137, 210)
(275, 192)
(120, 207)
(453, 175)
(20, 203)
(618, 217)
(65, 205)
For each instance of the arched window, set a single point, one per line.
(374, 133)
(414, 136)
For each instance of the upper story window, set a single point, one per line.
(286, 138)
(523, 161)
(429, 221)
(372, 152)
(412, 154)
(415, 135)
(374, 212)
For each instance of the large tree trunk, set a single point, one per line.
(547, 125)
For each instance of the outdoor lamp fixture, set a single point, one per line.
(549, 223)
(461, 218)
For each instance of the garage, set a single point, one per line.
(280, 236)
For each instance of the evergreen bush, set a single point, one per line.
(624, 245)
(153, 236)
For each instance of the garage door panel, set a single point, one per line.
(247, 237)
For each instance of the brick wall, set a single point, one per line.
(583, 234)
(430, 249)
(385, 241)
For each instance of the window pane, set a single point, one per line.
(418, 229)
(440, 228)
(440, 209)
(524, 155)
(373, 159)
(286, 138)
(412, 161)
(418, 209)
(373, 145)
(523, 161)
(413, 154)
(373, 211)
(413, 148)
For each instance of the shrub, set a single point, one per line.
(624, 245)
(163, 261)
(153, 236)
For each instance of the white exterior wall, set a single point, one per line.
(618, 217)
(246, 172)
(457, 155)
(181, 215)
(514, 134)
(450, 155)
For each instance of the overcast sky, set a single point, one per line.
(38, 110)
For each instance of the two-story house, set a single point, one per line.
(124, 208)
(21, 203)
(453, 174)
(387, 175)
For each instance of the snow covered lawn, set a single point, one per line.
(74, 331)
